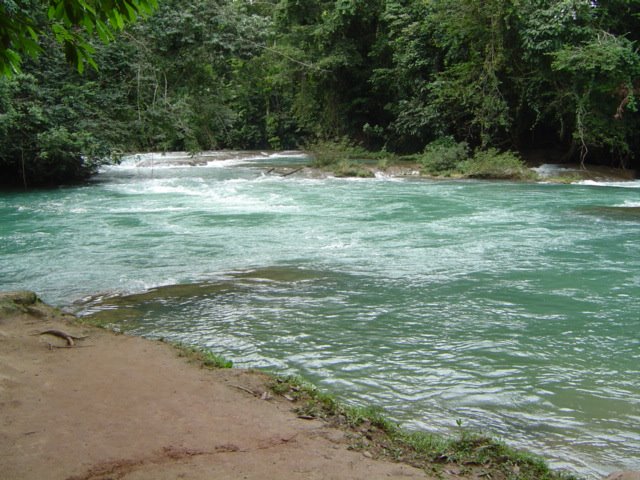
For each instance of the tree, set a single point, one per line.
(23, 24)
(48, 127)
(601, 73)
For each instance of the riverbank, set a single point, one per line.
(535, 167)
(114, 406)
(80, 402)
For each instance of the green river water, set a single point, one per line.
(512, 307)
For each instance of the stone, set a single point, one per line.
(21, 297)
(624, 475)
(13, 303)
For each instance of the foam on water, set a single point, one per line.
(212, 159)
(551, 169)
(629, 204)
(595, 183)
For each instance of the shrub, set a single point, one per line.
(347, 168)
(494, 164)
(332, 152)
(443, 156)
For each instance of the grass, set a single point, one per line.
(205, 358)
(371, 431)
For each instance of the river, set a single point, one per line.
(513, 307)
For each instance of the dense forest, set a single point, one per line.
(401, 76)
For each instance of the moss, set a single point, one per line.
(12, 303)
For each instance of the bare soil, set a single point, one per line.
(119, 407)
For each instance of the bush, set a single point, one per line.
(494, 164)
(347, 168)
(443, 156)
(332, 152)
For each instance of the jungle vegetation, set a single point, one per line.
(438, 78)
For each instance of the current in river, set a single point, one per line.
(511, 307)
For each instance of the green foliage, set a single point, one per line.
(474, 37)
(349, 168)
(446, 157)
(491, 163)
(606, 55)
(204, 357)
(392, 75)
(45, 134)
(333, 152)
(602, 72)
(69, 22)
(443, 156)
(345, 159)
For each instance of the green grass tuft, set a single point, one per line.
(206, 358)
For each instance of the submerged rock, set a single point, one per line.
(624, 475)
(624, 213)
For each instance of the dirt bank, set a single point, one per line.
(119, 407)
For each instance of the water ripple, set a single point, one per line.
(512, 307)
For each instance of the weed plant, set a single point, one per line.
(206, 358)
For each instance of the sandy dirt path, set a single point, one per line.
(120, 407)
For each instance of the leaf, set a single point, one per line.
(14, 61)
(31, 31)
(87, 7)
(90, 60)
(103, 31)
(119, 20)
(115, 19)
(88, 25)
(132, 14)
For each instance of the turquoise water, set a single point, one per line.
(513, 307)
